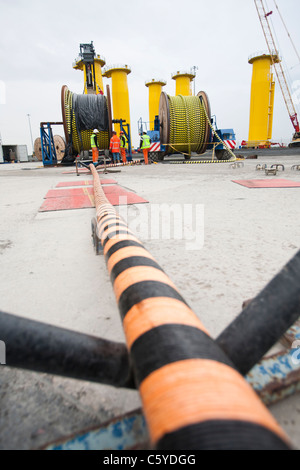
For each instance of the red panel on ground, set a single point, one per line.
(64, 203)
(86, 201)
(72, 192)
(80, 198)
(125, 199)
(273, 183)
(83, 183)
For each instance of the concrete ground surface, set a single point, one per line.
(50, 273)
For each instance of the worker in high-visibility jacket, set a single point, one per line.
(123, 143)
(145, 144)
(94, 145)
(114, 147)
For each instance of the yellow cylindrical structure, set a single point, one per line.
(120, 93)
(155, 89)
(262, 99)
(98, 63)
(183, 83)
(96, 72)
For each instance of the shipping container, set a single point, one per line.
(15, 153)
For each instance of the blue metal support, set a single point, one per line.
(47, 143)
(127, 432)
(277, 376)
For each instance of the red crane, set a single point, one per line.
(263, 17)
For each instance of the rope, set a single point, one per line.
(197, 162)
(192, 396)
(233, 158)
(81, 139)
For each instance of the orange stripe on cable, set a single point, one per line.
(139, 274)
(111, 232)
(126, 252)
(197, 390)
(112, 241)
(154, 312)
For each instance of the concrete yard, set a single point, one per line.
(50, 273)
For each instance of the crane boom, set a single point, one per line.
(263, 17)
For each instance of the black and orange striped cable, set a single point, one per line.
(192, 396)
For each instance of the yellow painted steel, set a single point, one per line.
(155, 88)
(98, 63)
(183, 83)
(120, 93)
(262, 99)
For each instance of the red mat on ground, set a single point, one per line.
(272, 183)
(65, 184)
(80, 198)
(73, 192)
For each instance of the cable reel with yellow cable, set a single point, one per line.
(185, 125)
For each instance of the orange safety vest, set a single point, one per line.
(115, 144)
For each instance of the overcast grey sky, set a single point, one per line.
(40, 40)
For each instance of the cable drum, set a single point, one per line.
(81, 115)
(38, 149)
(60, 147)
(59, 144)
(183, 121)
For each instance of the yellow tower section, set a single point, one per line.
(96, 72)
(120, 93)
(155, 89)
(183, 83)
(262, 99)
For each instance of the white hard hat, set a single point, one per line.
(95, 130)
